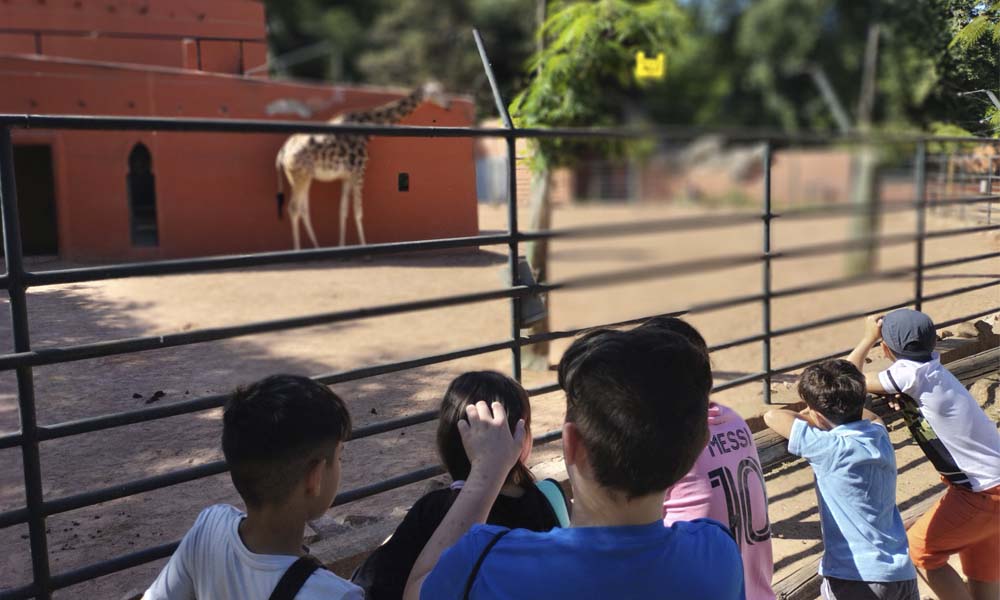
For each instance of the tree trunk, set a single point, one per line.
(536, 356)
(864, 169)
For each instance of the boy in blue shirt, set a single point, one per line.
(636, 420)
(865, 552)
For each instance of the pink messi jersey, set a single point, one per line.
(727, 484)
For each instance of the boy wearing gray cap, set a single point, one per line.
(961, 442)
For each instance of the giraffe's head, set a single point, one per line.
(433, 92)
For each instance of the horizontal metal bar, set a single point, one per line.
(960, 261)
(10, 440)
(842, 282)
(969, 317)
(131, 488)
(403, 365)
(750, 378)
(881, 241)
(938, 202)
(850, 316)
(115, 347)
(107, 567)
(806, 363)
(93, 122)
(50, 432)
(962, 290)
(195, 265)
(737, 342)
(48, 356)
(392, 424)
(960, 231)
(543, 389)
(13, 517)
(845, 352)
(698, 222)
(557, 335)
(130, 417)
(548, 437)
(20, 593)
(643, 273)
(387, 485)
(846, 209)
(810, 211)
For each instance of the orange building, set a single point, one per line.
(137, 195)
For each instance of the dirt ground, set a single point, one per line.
(80, 313)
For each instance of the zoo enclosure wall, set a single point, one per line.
(22, 360)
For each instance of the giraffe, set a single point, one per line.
(331, 157)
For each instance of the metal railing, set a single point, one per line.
(22, 360)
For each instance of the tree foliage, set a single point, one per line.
(406, 42)
(985, 22)
(583, 74)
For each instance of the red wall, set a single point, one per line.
(228, 36)
(215, 193)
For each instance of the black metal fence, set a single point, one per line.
(23, 359)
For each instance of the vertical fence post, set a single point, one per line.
(25, 382)
(766, 278)
(991, 164)
(920, 185)
(512, 229)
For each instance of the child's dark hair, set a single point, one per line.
(274, 430)
(469, 388)
(834, 389)
(679, 327)
(640, 401)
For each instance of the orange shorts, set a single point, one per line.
(963, 522)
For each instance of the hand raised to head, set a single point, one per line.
(873, 327)
(487, 438)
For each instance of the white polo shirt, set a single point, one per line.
(957, 436)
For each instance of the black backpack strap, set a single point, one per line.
(892, 380)
(295, 577)
(479, 563)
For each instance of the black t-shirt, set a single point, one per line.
(384, 574)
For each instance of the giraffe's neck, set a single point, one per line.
(391, 112)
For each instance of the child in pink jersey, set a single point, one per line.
(726, 483)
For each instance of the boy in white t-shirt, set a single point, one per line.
(282, 437)
(960, 441)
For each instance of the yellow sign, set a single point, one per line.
(650, 68)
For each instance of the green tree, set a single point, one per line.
(340, 25)
(582, 76)
(985, 21)
(419, 40)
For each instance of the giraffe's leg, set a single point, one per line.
(345, 191)
(293, 218)
(359, 183)
(306, 217)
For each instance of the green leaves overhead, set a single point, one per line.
(583, 74)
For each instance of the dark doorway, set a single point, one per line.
(142, 197)
(36, 199)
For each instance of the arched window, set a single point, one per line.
(142, 197)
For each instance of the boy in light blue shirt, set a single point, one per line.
(865, 551)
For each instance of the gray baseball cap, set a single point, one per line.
(909, 334)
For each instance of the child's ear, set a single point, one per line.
(526, 447)
(574, 454)
(314, 477)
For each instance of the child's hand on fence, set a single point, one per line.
(873, 327)
(487, 438)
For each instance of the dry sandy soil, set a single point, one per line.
(81, 313)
